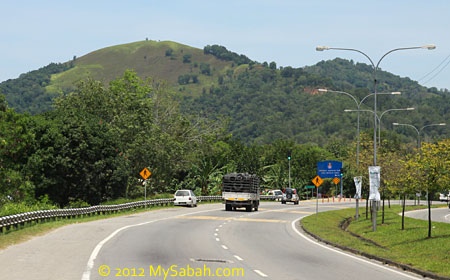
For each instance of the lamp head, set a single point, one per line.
(395, 123)
(348, 110)
(396, 93)
(322, 48)
(442, 124)
(410, 109)
(322, 89)
(430, 47)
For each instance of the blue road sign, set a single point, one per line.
(329, 169)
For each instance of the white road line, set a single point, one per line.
(225, 247)
(90, 263)
(238, 258)
(260, 273)
(217, 229)
(215, 234)
(346, 254)
(220, 226)
(446, 217)
(217, 239)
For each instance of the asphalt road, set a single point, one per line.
(437, 214)
(204, 241)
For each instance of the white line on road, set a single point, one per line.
(217, 239)
(220, 226)
(238, 258)
(215, 234)
(348, 255)
(260, 273)
(217, 229)
(446, 217)
(90, 263)
(225, 247)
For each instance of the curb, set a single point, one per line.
(405, 267)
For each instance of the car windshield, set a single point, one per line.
(182, 193)
(278, 193)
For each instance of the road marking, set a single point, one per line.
(217, 229)
(225, 247)
(446, 217)
(260, 273)
(217, 239)
(346, 254)
(238, 258)
(94, 254)
(238, 219)
(220, 226)
(215, 234)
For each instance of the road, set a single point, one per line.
(263, 245)
(437, 214)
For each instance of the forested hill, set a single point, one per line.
(262, 102)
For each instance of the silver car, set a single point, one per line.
(185, 197)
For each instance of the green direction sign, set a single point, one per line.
(310, 187)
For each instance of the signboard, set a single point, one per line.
(358, 181)
(329, 169)
(317, 181)
(374, 183)
(310, 187)
(336, 180)
(145, 173)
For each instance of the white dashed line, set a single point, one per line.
(215, 234)
(217, 229)
(217, 239)
(220, 226)
(225, 247)
(260, 273)
(238, 258)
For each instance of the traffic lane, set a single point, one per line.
(437, 214)
(179, 242)
(280, 253)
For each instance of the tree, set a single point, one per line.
(273, 65)
(187, 58)
(205, 69)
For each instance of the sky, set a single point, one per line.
(36, 33)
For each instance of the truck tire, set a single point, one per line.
(248, 208)
(227, 207)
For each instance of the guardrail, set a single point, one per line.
(14, 221)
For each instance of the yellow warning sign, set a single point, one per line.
(336, 180)
(317, 181)
(145, 173)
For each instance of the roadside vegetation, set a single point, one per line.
(407, 246)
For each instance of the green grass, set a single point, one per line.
(410, 246)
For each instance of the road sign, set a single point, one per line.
(310, 187)
(145, 173)
(329, 169)
(317, 181)
(336, 180)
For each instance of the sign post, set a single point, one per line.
(145, 173)
(358, 181)
(317, 181)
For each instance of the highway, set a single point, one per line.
(267, 244)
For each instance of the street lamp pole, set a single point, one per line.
(375, 69)
(418, 130)
(358, 104)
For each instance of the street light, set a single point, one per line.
(418, 130)
(375, 69)
(358, 104)
(380, 117)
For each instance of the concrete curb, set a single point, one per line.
(405, 267)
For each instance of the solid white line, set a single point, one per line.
(217, 239)
(260, 273)
(445, 217)
(90, 263)
(238, 258)
(225, 247)
(346, 254)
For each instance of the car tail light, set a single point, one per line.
(190, 198)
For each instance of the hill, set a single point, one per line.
(261, 102)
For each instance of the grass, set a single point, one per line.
(410, 246)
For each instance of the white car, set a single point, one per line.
(185, 197)
(277, 193)
(444, 197)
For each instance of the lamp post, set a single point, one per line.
(418, 130)
(375, 69)
(380, 117)
(358, 104)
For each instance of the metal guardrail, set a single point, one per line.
(11, 221)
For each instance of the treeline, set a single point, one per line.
(28, 93)
(222, 53)
(264, 103)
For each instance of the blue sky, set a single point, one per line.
(35, 33)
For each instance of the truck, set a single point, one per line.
(240, 190)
